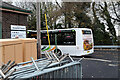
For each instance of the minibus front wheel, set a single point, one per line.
(58, 53)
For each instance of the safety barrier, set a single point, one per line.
(69, 70)
(42, 68)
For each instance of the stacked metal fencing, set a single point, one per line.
(70, 70)
(47, 69)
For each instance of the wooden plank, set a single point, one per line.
(27, 52)
(18, 53)
(1, 55)
(8, 53)
(34, 50)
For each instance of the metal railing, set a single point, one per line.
(19, 64)
(27, 68)
(69, 70)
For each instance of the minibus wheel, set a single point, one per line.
(59, 53)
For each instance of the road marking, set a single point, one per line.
(103, 60)
(98, 59)
(113, 65)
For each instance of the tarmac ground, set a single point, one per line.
(102, 64)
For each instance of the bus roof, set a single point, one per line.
(61, 29)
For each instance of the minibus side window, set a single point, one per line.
(69, 39)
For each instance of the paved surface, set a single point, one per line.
(101, 64)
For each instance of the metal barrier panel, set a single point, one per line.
(70, 70)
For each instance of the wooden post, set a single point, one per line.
(38, 30)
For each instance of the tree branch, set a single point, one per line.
(101, 6)
(115, 11)
(58, 4)
(115, 19)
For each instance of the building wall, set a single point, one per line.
(0, 24)
(8, 19)
(0, 30)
